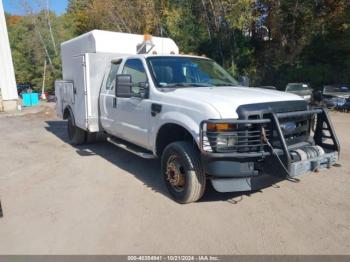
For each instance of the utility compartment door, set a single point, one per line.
(68, 93)
(78, 76)
(64, 92)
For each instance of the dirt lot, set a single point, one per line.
(58, 199)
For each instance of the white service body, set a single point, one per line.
(85, 60)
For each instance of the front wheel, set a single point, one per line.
(183, 172)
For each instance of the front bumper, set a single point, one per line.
(257, 180)
(244, 171)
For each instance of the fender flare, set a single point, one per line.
(186, 123)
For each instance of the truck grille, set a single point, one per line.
(247, 138)
(294, 129)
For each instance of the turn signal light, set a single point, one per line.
(222, 127)
(147, 37)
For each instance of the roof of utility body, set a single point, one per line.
(98, 41)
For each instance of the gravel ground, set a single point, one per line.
(98, 199)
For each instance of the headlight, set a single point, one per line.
(307, 97)
(225, 142)
(222, 136)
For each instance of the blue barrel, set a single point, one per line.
(35, 99)
(26, 100)
(30, 99)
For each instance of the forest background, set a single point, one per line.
(273, 42)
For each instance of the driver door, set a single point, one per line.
(134, 114)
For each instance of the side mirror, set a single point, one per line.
(123, 84)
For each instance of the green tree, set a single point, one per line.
(28, 50)
(296, 27)
(272, 41)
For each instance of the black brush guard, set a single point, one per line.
(251, 146)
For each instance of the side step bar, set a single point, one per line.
(131, 148)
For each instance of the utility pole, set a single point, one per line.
(8, 88)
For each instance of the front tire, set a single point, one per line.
(76, 135)
(183, 172)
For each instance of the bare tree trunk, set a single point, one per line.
(230, 32)
(215, 15)
(28, 9)
(206, 19)
(123, 21)
(47, 14)
(111, 13)
(43, 44)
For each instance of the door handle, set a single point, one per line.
(156, 109)
(114, 102)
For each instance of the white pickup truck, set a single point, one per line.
(188, 111)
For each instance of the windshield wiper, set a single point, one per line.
(226, 84)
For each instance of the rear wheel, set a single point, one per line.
(76, 135)
(183, 172)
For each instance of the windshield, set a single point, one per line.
(297, 87)
(177, 71)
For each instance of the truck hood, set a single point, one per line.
(226, 100)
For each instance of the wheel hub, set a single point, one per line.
(175, 174)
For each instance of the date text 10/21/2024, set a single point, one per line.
(173, 258)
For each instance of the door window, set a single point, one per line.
(110, 83)
(134, 67)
